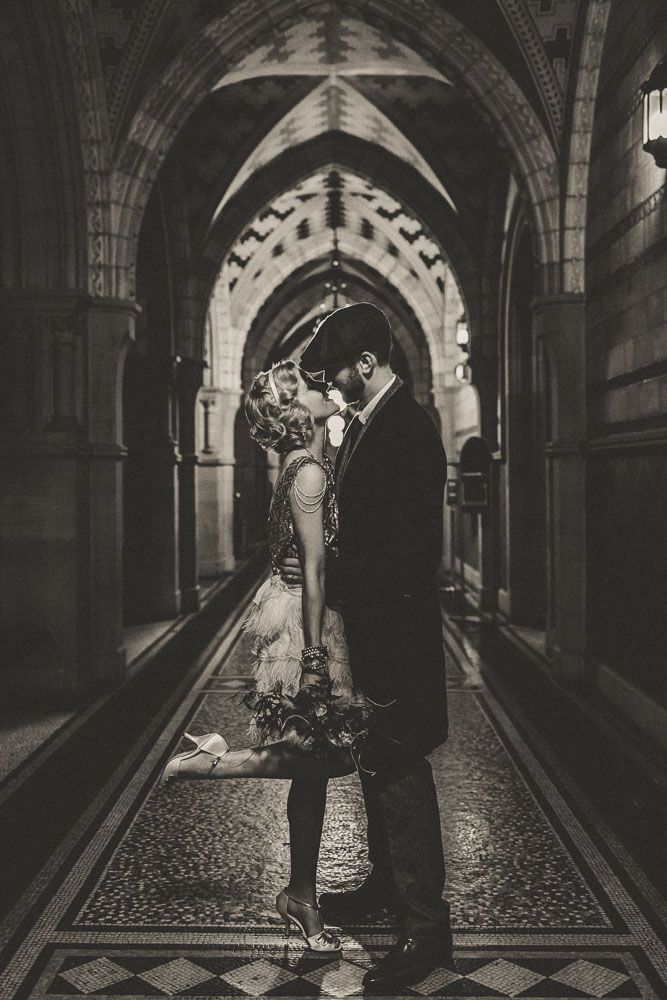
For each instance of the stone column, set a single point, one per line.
(61, 493)
(215, 491)
(559, 325)
(151, 491)
(488, 529)
(110, 328)
(188, 381)
(444, 401)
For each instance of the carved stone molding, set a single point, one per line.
(576, 204)
(523, 27)
(84, 65)
(134, 52)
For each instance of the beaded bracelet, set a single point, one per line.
(316, 671)
(318, 657)
(319, 650)
(315, 660)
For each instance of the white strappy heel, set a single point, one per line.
(210, 743)
(322, 941)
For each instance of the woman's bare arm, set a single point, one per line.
(309, 528)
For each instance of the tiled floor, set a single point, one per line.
(169, 892)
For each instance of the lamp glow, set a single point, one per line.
(462, 333)
(654, 112)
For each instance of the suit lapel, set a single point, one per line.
(342, 466)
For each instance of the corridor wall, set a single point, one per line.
(626, 264)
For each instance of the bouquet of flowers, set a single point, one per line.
(318, 717)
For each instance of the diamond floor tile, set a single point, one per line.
(435, 981)
(180, 974)
(506, 977)
(96, 975)
(340, 979)
(258, 977)
(595, 980)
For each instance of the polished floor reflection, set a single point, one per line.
(169, 892)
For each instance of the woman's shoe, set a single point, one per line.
(322, 941)
(211, 743)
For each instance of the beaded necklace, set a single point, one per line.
(310, 502)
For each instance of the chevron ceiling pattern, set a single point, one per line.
(360, 212)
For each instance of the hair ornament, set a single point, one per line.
(273, 387)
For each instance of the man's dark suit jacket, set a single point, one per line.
(390, 498)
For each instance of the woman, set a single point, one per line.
(305, 708)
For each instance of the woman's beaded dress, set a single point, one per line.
(275, 622)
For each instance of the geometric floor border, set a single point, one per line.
(283, 972)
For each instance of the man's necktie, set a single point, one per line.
(348, 443)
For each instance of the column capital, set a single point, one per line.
(558, 298)
(558, 314)
(560, 449)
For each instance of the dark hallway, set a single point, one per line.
(187, 187)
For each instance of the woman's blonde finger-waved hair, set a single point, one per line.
(281, 424)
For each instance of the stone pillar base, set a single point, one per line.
(61, 600)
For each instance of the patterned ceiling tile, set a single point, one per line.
(331, 44)
(555, 20)
(330, 107)
(113, 23)
(298, 226)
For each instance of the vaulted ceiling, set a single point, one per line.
(137, 40)
(330, 124)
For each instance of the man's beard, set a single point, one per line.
(355, 386)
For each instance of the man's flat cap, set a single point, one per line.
(345, 334)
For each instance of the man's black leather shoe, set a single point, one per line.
(409, 961)
(366, 901)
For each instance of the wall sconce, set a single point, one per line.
(462, 333)
(654, 113)
(462, 371)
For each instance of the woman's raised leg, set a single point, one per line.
(277, 760)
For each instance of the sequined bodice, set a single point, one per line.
(282, 538)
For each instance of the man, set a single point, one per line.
(390, 472)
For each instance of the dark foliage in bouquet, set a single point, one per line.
(319, 719)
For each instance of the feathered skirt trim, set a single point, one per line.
(275, 626)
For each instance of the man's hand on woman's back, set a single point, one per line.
(290, 570)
